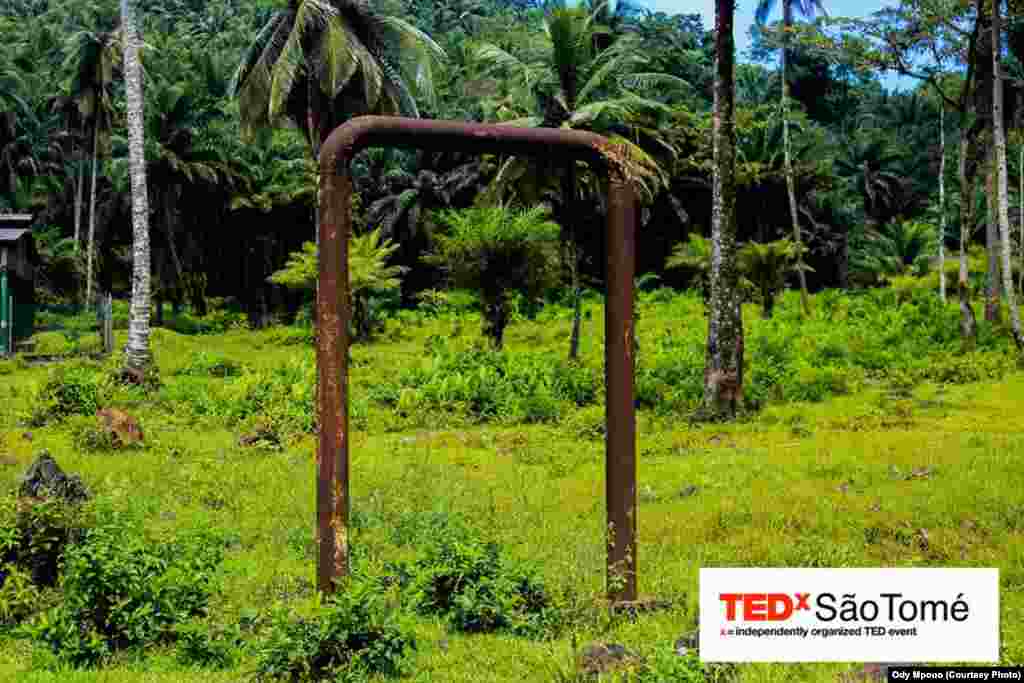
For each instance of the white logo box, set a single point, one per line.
(941, 615)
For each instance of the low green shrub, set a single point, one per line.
(34, 535)
(218, 320)
(209, 364)
(666, 666)
(19, 596)
(297, 335)
(346, 638)
(588, 423)
(123, 589)
(200, 644)
(468, 580)
(70, 389)
(87, 435)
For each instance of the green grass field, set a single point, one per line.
(922, 475)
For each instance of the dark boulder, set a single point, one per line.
(45, 479)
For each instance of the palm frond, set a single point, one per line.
(663, 83)
(616, 64)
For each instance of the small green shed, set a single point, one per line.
(17, 281)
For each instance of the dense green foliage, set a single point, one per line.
(346, 638)
(466, 579)
(864, 158)
(123, 590)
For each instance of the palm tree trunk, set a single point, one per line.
(968, 322)
(787, 15)
(992, 241)
(495, 315)
(942, 202)
(92, 214)
(169, 198)
(723, 369)
(79, 192)
(1003, 199)
(313, 122)
(137, 350)
(573, 258)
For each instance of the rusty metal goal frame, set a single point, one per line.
(332, 306)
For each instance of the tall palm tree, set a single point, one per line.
(807, 8)
(137, 352)
(942, 201)
(723, 368)
(317, 62)
(72, 139)
(576, 79)
(178, 164)
(872, 166)
(1002, 193)
(93, 58)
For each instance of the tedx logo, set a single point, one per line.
(764, 606)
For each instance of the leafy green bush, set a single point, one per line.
(349, 636)
(200, 644)
(19, 597)
(122, 589)
(296, 335)
(217, 321)
(34, 535)
(588, 423)
(71, 389)
(209, 364)
(87, 435)
(466, 579)
(666, 666)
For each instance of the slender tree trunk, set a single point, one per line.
(573, 257)
(169, 201)
(787, 16)
(495, 315)
(723, 370)
(313, 122)
(992, 313)
(1020, 275)
(79, 191)
(942, 202)
(137, 350)
(92, 215)
(768, 303)
(1003, 191)
(968, 322)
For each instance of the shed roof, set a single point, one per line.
(12, 234)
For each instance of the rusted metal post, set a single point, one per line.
(620, 413)
(332, 499)
(332, 318)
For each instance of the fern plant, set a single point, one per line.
(497, 250)
(368, 274)
(765, 266)
(694, 255)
